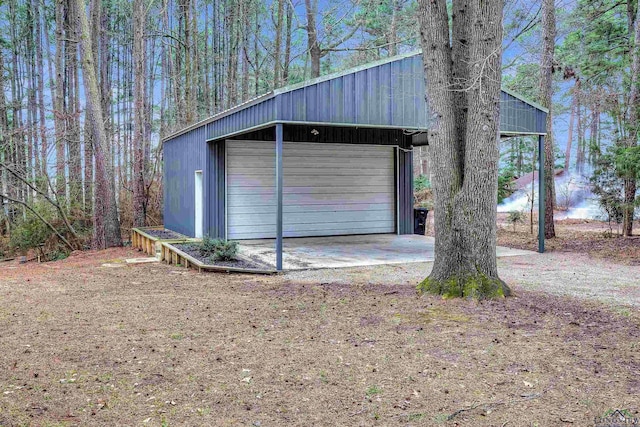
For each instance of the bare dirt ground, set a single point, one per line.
(150, 344)
(581, 236)
(589, 237)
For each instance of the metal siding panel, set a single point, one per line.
(405, 183)
(419, 94)
(323, 105)
(220, 207)
(518, 116)
(349, 99)
(286, 113)
(297, 105)
(182, 156)
(408, 86)
(373, 95)
(360, 103)
(417, 99)
(336, 104)
(386, 99)
(311, 104)
(215, 192)
(394, 89)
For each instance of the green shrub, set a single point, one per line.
(30, 232)
(505, 189)
(606, 182)
(218, 249)
(421, 182)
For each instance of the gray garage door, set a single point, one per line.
(329, 189)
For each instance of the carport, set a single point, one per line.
(327, 157)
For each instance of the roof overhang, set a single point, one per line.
(385, 94)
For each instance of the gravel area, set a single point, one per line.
(558, 273)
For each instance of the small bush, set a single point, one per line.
(421, 182)
(29, 233)
(218, 249)
(515, 217)
(505, 188)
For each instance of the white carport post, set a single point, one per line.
(279, 182)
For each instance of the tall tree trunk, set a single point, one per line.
(594, 144)
(464, 106)
(567, 152)
(393, 29)
(32, 112)
(105, 214)
(629, 179)
(287, 45)
(19, 146)
(58, 107)
(546, 95)
(245, 50)
(139, 215)
(5, 144)
(232, 61)
(37, 5)
(277, 54)
(185, 6)
(73, 105)
(580, 129)
(313, 46)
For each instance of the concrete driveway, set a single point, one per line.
(351, 251)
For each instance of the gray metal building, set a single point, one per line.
(330, 156)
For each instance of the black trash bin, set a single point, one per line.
(420, 220)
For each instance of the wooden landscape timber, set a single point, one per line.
(174, 256)
(148, 244)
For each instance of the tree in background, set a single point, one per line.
(106, 232)
(546, 94)
(154, 76)
(463, 93)
(139, 59)
(603, 57)
(629, 169)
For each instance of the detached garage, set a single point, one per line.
(328, 157)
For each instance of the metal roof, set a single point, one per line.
(384, 94)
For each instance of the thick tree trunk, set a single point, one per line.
(139, 112)
(546, 94)
(463, 92)
(105, 214)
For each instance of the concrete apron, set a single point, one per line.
(351, 251)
